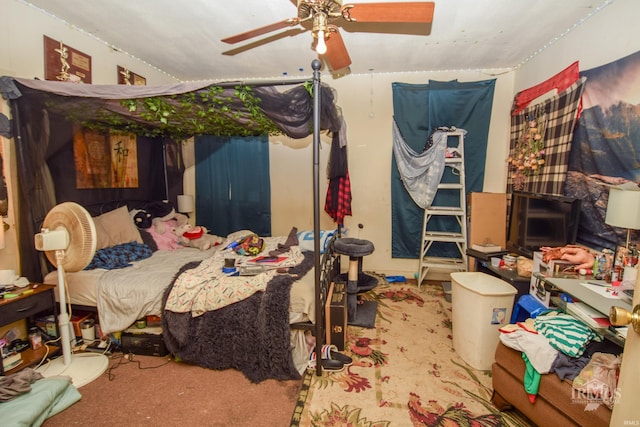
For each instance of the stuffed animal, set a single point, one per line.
(196, 237)
(160, 212)
(141, 218)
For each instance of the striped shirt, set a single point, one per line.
(565, 333)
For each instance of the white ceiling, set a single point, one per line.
(182, 38)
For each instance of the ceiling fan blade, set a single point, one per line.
(409, 12)
(260, 31)
(337, 55)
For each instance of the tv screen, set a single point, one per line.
(537, 220)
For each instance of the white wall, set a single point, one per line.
(366, 102)
(22, 47)
(608, 35)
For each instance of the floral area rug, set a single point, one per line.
(404, 372)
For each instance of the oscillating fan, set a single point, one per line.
(68, 238)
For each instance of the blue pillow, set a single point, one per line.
(305, 239)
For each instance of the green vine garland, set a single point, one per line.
(211, 111)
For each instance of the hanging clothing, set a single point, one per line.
(338, 203)
(338, 200)
(421, 172)
(560, 82)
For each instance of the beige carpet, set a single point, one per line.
(405, 371)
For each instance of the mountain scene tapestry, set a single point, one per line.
(605, 146)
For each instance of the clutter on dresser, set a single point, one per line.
(486, 247)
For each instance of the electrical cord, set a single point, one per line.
(126, 358)
(47, 351)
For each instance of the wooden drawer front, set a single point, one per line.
(25, 307)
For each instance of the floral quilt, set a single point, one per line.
(207, 287)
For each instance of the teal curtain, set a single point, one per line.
(418, 110)
(232, 184)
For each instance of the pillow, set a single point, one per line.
(305, 239)
(114, 228)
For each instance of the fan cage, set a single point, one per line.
(78, 223)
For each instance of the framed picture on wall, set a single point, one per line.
(128, 77)
(105, 159)
(64, 63)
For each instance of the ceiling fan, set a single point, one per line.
(322, 13)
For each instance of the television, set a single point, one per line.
(537, 220)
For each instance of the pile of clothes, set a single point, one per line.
(556, 342)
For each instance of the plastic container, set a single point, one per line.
(481, 304)
(88, 330)
(35, 338)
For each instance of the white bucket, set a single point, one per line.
(481, 304)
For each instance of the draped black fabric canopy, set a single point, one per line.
(164, 113)
(182, 110)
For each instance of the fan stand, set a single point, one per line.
(82, 368)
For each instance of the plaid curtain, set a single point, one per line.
(559, 113)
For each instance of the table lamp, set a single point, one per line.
(185, 204)
(623, 210)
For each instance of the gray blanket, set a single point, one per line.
(16, 384)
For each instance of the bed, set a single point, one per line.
(88, 107)
(209, 317)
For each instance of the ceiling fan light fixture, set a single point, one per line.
(321, 45)
(320, 31)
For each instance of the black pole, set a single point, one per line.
(315, 64)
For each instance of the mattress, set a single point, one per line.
(122, 296)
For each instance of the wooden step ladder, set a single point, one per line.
(455, 216)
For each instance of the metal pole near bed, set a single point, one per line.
(315, 64)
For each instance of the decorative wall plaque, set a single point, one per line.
(128, 77)
(64, 63)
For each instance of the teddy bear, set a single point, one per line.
(196, 237)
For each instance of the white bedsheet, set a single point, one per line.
(124, 295)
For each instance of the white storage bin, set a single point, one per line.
(481, 304)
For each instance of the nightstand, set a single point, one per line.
(32, 300)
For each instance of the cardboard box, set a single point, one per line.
(336, 315)
(48, 325)
(487, 218)
(544, 269)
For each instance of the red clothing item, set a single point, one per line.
(195, 233)
(560, 81)
(338, 201)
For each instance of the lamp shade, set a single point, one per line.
(623, 209)
(185, 203)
